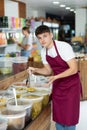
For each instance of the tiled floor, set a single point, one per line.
(83, 118)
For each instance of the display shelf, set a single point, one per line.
(3, 45)
(10, 29)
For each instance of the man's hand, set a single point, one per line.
(31, 70)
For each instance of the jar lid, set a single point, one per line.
(20, 60)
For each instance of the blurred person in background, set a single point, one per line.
(60, 63)
(26, 44)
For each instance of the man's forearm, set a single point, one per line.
(42, 71)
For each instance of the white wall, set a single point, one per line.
(11, 8)
(80, 21)
(35, 13)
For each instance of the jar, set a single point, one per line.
(19, 64)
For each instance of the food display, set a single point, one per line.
(16, 119)
(36, 104)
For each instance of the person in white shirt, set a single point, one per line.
(60, 64)
(26, 45)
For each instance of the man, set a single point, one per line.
(59, 59)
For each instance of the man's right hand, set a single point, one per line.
(31, 70)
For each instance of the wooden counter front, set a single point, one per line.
(83, 76)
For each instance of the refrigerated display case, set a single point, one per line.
(54, 27)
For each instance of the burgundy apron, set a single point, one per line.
(65, 93)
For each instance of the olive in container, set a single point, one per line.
(41, 91)
(36, 103)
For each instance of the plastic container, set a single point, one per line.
(36, 103)
(20, 89)
(19, 84)
(43, 92)
(7, 94)
(19, 64)
(5, 70)
(16, 119)
(26, 105)
(6, 62)
(3, 124)
(5, 65)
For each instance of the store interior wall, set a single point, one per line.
(80, 21)
(30, 12)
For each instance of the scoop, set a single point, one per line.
(14, 91)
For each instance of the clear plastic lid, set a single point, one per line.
(21, 104)
(20, 60)
(31, 97)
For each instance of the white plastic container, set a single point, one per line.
(41, 91)
(6, 62)
(19, 87)
(36, 103)
(7, 94)
(16, 119)
(26, 105)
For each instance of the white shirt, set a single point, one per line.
(64, 49)
(28, 40)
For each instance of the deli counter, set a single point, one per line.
(42, 121)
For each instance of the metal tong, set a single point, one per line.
(28, 81)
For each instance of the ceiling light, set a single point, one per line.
(55, 2)
(71, 9)
(67, 8)
(62, 5)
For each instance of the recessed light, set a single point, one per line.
(62, 5)
(71, 9)
(67, 8)
(55, 2)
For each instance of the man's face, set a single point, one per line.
(45, 39)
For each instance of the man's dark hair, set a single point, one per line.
(42, 29)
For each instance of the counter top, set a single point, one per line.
(7, 80)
